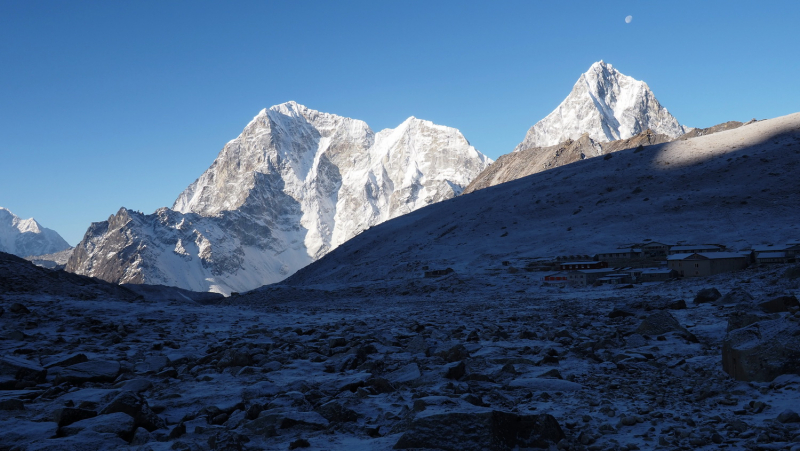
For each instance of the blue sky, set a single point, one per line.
(109, 104)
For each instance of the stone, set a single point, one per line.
(21, 370)
(762, 351)
(68, 415)
(228, 441)
(455, 370)
(299, 443)
(789, 416)
(134, 405)
(405, 374)
(779, 304)
(91, 371)
(494, 430)
(67, 361)
(134, 385)
(660, 323)
(120, 424)
(12, 404)
(543, 384)
(454, 354)
(335, 412)
(618, 313)
(140, 437)
(707, 295)
(743, 318)
(736, 296)
(18, 308)
(417, 345)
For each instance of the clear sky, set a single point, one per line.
(108, 104)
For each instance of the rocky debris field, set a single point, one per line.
(449, 364)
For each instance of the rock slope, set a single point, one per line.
(25, 237)
(731, 187)
(294, 185)
(607, 105)
(520, 164)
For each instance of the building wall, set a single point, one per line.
(703, 268)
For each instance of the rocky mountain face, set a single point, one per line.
(537, 159)
(25, 237)
(294, 185)
(606, 105)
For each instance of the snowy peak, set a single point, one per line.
(607, 105)
(295, 184)
(26, 237)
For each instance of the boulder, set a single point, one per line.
(736, 296)
(136, 406)
(762, 351)
(744, 318)
(92, 371)
(66, 361)
(663, 322)
(120, 424)
(21, 370)
(335, 412)
(68, 415)
(454, 354)
(478, 431)
(707, 295)
(407, 373)
(779, 304)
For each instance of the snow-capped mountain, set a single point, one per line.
(608, 106)
(25, 237)
(294, 185)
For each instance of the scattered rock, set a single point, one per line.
(454, 354)
(299, 443)
(120, 424)
(228, 441)
(335, 412)
(12, 404)
(405, 374)
(660, 323)
(135, 406)
(707, 295)
(493, 430)
(455, 370)
(18, 309)
(67, 361)
(618, 313)
(779, 304)
(68, 415)
(92, 371)
(789, 416)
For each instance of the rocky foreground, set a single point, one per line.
(450, 363)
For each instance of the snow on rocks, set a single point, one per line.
(368, 367)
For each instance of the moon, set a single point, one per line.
(628, 19)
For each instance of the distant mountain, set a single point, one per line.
(24, 237)
(293, 186)
(606, 105)
(733, 187)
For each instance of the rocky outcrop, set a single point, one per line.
(763, 350)
(527, 161)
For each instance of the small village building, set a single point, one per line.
(615, 279)
(618, 255)
(657, 275)
(556, 278)
(567, 266)
(706, 263)
(438, 272)
(765, 258)
(654, 249)
(586, 277)
(696, 248)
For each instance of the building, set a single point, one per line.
(772, 257)
(438, 272)
(654, 249)
(556, 278)
(615, 279)
(695, 249)
(657, 275)
(567, 266)
(706, 263)
(618, 255)
(586, 277)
